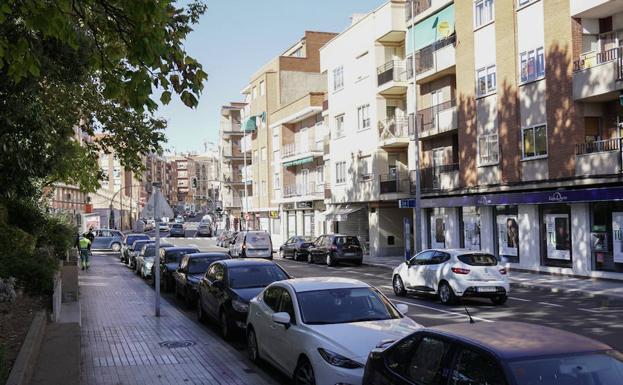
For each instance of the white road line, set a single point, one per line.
(442, 311)
(550, 304)
(387, 287)
(520, 299)
(601, 311)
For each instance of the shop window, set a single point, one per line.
(437, 229)
(556, 235)
(507, 229)
(607, 236)
(471, 228)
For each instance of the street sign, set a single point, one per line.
(406, 203)
(164, 210)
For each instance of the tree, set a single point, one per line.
(84, 66)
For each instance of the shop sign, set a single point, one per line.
(305, 205)
(274, 214)
(617, 237)
(508, 235)
(288, 206)
(558, 236)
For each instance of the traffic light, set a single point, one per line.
(194, 182)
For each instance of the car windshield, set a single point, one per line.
(478, 259)
(346, 241)
(304, 239)
(199, 265)
(258, 239)
(584, 369)
(344, 305)
(137, 245)
(241, 277)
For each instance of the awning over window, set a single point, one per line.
(297, 162)
(249, 124)
(340, 213)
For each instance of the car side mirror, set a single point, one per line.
(402, 308)
(281, 318)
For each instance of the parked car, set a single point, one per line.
(297, 248)
(145, 260)
(163, 227)
(509, 353)
(453, 274)
(150, 224)
(321, 330)
(170, 259)
(204, 230)
(137, 246)
(128, 241)
(335, 248)
(191, 270)
(177, 230)
(228, 286)
(107, 239)
(179, 219)
(252, 244)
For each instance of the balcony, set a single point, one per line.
(595, 8)
(602, 157)
(392, 78)
(598, 76)
(444, 177)
(231, 129)
(393, 133)
(434, 61)
(395, 184)
(419, 6)
(389, 23)
(232, 154)
(437, 119)
(300, 191)
(327, 192)
(300, 152)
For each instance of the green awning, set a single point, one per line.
(249, 124)
(297, 162)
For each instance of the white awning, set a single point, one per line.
(340, 213)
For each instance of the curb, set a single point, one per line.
(24, 365)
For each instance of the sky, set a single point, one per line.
(233, 39)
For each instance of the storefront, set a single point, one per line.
(303, 218)
(349, 219)
(606, 236)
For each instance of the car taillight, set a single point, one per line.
(503, 271)
(460, 270)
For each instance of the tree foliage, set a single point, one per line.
(88, 66)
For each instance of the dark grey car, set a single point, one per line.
(335, 248)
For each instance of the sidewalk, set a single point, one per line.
(123, 343)
(587, 287)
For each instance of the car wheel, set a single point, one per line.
(399, 287)
(310, 259)
(446, 294)
(252, 349)
(330, 261)
(499, 299)
(304, 373)
(225, 327)
(200, 314)
(116, 247)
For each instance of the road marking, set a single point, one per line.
(443, 311)
(387, 287)
(520, 299)
(601, 311)
(550, 304)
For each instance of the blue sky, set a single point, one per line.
(234, 39)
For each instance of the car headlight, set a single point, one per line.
(240, 306)
(337, 360)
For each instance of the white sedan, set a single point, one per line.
(321, 330)
(452, 274)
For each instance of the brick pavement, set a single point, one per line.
(123, 343)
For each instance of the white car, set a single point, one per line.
(321, 330)
(453, 274)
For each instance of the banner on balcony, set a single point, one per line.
(435, 27)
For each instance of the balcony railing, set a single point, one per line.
(395, 183)
(425, 57)
(232, 128)
(429, 121)
(592, 59)
(294, 149)
(419, 6)
(607, 145)
(393, 70)
(301, 190)
(430, 177)
(397, 127)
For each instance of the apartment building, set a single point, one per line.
(368, 155)
(205, 181)
(517, 110)
(286, 78)
(157, 169)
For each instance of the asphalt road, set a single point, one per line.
(590, 317)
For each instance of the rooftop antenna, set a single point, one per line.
(471, 320)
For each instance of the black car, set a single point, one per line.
(128, 241)
(191, 270)
(335, 248)
(504, 353)
(228, 286)
(170, 259)
(177, 230)
(297, 248)
(137, 246)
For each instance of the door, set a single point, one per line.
(392, 164)
(433, 269)
(303, 140)
(216, 273)
(417, 269)
(287, 249)
(423, 359)
(308, 220)
(102, 239)
(265, 325)
(291, 224)
(283, 338)
(474, 367)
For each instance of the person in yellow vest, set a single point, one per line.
(84, 244)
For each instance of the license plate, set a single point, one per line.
(349, 254)
(487, 289)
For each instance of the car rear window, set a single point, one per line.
(346, 241)
(478, 259)
(258, 239)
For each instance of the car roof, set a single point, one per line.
(207, 254)
(181, 248)
(514, 340)
(324, 283)
(247, 262)
(167, 245)
(459, 251)
(137, 235)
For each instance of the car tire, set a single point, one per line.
(253, 350)
(446, 294)
(201, 317)
(330, 260)
(116, 247)
(224, 325)
(499, 299)
(310, 259)
(304, 373)
(399, 287)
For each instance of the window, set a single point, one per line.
(420, 359)
(262, 88)
(272, 297)
(263, 153)
(534, 140)
(532, 65)
(276, 181)
(483, 12)
(488, 150)
(287, 306)
(254, 93)
(364, 168)
(475, 368)
(486, 81)
(340, 172)
(338, 78)
(363, 117)
(339, 126)
(263, 189)
(320, 174)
